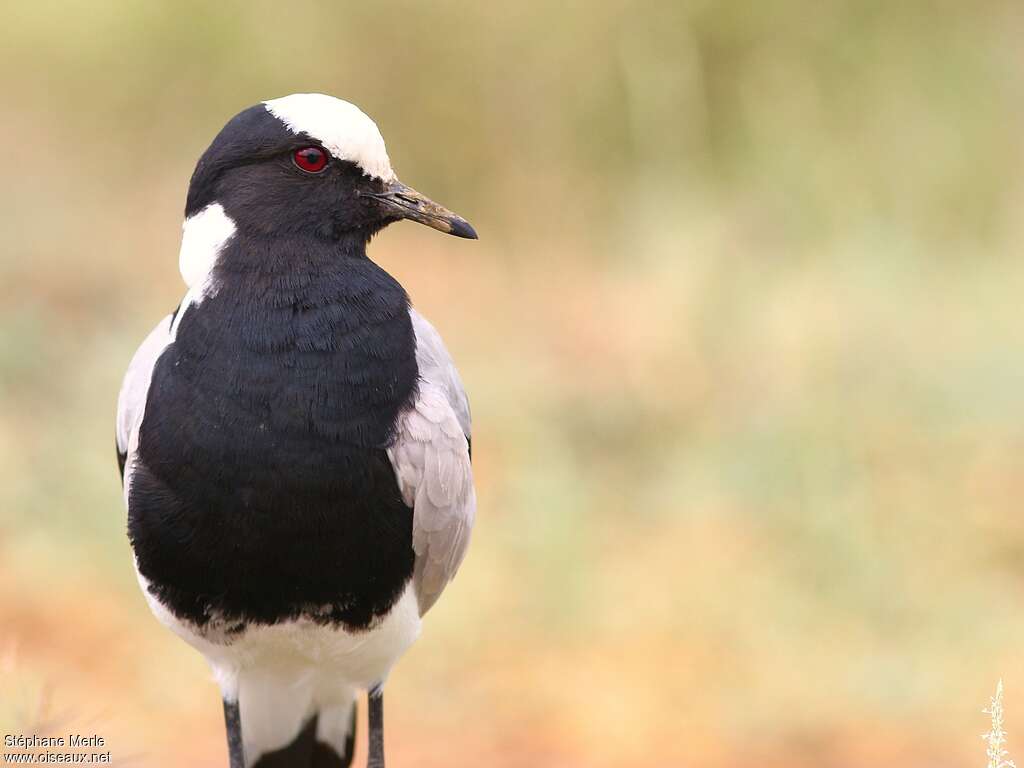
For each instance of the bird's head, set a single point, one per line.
(305, 165)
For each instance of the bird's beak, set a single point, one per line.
(406, 203)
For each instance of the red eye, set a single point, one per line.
(310, 159)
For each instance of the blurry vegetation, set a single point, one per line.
(742, 335)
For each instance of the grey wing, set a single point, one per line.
(436, 366)
(431, 460)
(131, 402)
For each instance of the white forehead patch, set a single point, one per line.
(344, 129)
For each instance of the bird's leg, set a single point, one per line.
(233, 725)
(376, 718)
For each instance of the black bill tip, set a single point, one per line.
(462, 228)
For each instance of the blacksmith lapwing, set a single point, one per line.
(294, 439)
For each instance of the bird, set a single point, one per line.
(294, 439)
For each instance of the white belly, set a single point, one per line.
(283, 674)
(301, 648)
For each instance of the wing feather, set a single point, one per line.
(432, 464)
(131, 402)
(437, 367)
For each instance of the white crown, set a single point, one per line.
(344, 130)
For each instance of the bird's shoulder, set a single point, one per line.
(131, 400)
(431, 457)
(437, 369)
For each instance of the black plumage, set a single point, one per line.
(262, 489)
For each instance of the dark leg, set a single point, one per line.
(376, 717)
(233, 725)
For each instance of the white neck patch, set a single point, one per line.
(344, 130)
(203, 236)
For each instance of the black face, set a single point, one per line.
(272, 182)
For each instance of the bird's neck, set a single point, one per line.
(321, 317)
(304, 274)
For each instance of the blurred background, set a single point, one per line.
(742, 333)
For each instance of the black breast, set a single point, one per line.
(262, 488)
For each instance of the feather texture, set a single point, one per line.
(432, 464)
(131, 401)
